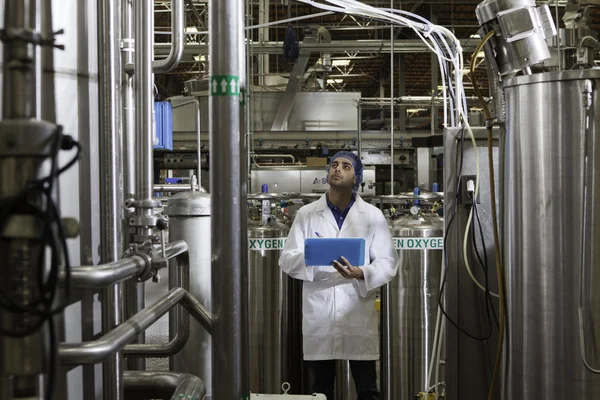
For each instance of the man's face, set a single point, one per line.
(341, 173)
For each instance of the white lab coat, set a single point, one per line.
(339, 319)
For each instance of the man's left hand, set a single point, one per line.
(348, 271)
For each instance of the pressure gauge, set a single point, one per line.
(414, 210)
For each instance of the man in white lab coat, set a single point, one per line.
(339, 320)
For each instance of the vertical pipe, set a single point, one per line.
(110, 200)
(198, 131)
(229, 260)
(144, 52)
(359, 128)
(135, 292)
(19, 76)
(392, 107)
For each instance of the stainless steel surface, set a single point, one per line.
(170, 333)
(173, 188)
(275, 314)
(392, 56)
(425, 168)
(19, 61)
(177, 38)
(469, 363)
(302, 180)
(113, 341)
(144, 103)
(359, 129)
(542, 205)
(162, 385)
(101, 276)
(111, 200)
(228, 189)
(413, 307)
(520, 39)
(189, 220)
(344, 382)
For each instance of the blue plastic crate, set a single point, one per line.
(163, 111)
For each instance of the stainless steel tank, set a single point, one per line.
(189, 220)
(274, 314)
(410, 306)
(552, 122)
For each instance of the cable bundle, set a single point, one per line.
(36, 200)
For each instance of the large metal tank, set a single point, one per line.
(189, 220)
(410, 306)
(274, 314)
(552, 121)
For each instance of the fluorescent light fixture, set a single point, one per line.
(191, 29)
(332, 81)
(475, 36)
(414, 110)
(200, 57)
(340, 63)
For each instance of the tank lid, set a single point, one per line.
(421, 223)
(188, 203)
(552, 77)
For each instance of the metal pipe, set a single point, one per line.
(392, 107)
(144, 21)
(198, 133)
(179, 321)
(20, 61)
(229, 249)
(98, 350)
(177, 39)
(111, 201)
(99, 276)
(176, 188)
(359, 109)
(254, 156)
(162, 385)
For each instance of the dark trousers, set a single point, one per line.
(363, 372)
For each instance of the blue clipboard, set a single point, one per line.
(322, 251)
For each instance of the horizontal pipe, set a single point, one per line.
(176, 188)
(100, 276)
(162, 385)
(337, 46)
(179, 276)
(98, 350)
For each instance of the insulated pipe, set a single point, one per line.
(98, 350)
(162, 385)
(177, 39)
(144, 20)
(359, 128)
(228, 186)
(99, 276)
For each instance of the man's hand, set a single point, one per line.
(348, 271)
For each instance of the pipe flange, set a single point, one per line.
(144, 251)
(149, 203)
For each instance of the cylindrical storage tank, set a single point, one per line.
(189, 220)
(274, 314)
(409, 306)
(552, 123)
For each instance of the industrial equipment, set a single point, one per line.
(410, 306)
(275, 311)
(189, 220)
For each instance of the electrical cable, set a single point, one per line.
(499, 265)
(36, 200)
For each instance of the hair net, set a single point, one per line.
(356, 163)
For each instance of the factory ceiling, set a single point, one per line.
(358, 66)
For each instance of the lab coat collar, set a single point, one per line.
(355, 212)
